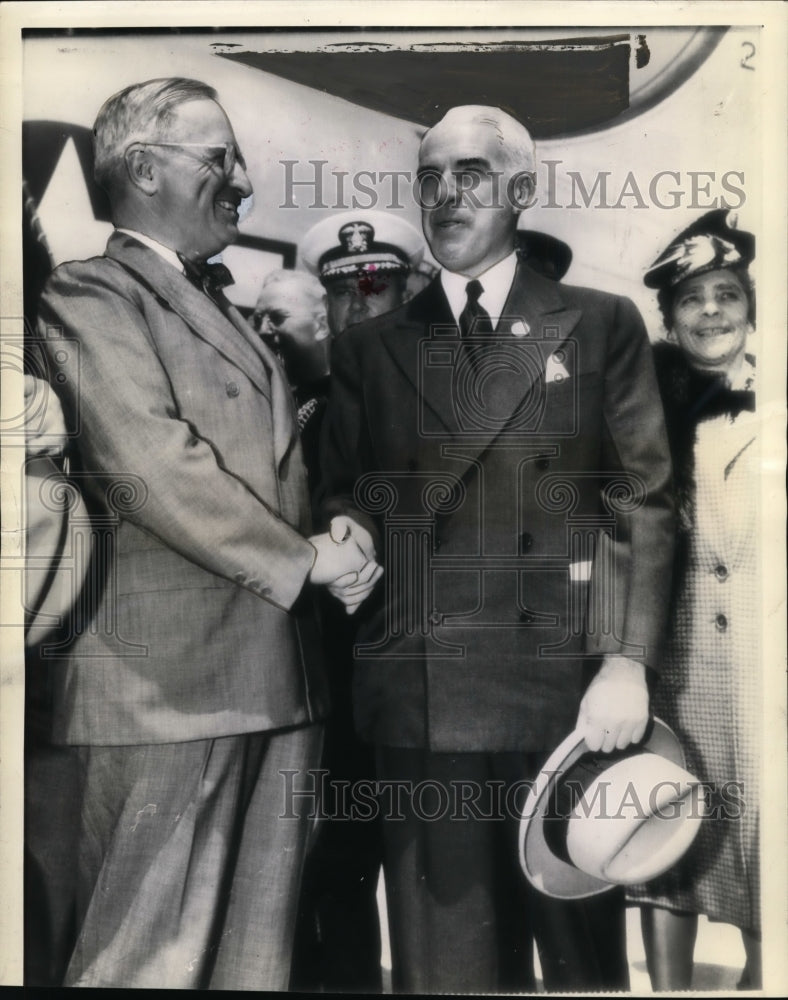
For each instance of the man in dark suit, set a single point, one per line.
(502, 433)
(362, 260)
(190, 681)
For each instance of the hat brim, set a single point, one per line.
(544, 253)
(542, 867)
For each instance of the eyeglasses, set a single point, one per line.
(232, 154)
(275, 316)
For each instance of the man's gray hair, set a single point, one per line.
(304, 283)
(139, 112)
(515, 139)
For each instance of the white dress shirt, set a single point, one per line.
(496, 282)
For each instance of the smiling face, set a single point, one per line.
(710, 320)
(289, 315)
(197, 204)
(467, 215)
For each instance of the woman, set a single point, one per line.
(709, 691)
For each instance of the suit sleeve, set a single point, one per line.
(634, 441)
(346, 451)
(129, 426)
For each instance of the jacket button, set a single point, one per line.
(435, 618)
(542, 464)
(721, 622)
(526, 541)
(721, 572)
(233, 389)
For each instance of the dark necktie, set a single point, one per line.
(474, 319)
(209, 278)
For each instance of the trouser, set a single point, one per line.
(337, 946)
(462, 917)
(190, 861)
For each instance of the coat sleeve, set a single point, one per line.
(346, 451)
(634, 441)
(129, 426)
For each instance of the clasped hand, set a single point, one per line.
(345, 562)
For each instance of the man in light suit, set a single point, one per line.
(190, 683)
(503, 435)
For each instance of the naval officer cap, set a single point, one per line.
(352, 243)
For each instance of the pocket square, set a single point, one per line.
(580, 572)
(555, 370)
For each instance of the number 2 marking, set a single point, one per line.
(745, 61)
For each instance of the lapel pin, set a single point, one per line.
(520, 329)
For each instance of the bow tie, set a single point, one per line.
(209, 278)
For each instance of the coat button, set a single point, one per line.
(435, 618)
(526, 541)
(721, 572)
(721, 622)
(542, 464)
(233, 389)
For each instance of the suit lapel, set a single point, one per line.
(223, 328)
(537, 303)
(282, 402)
(425, 344)
(193, 306)
(423, 338)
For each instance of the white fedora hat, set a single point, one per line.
(592, 821)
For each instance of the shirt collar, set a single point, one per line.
(165, 252)
(496, 281)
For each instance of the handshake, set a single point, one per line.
(345, 562)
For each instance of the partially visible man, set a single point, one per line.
(511, 428)
(363, 260)
(56, 522)
(192, 679)
(290, 315)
